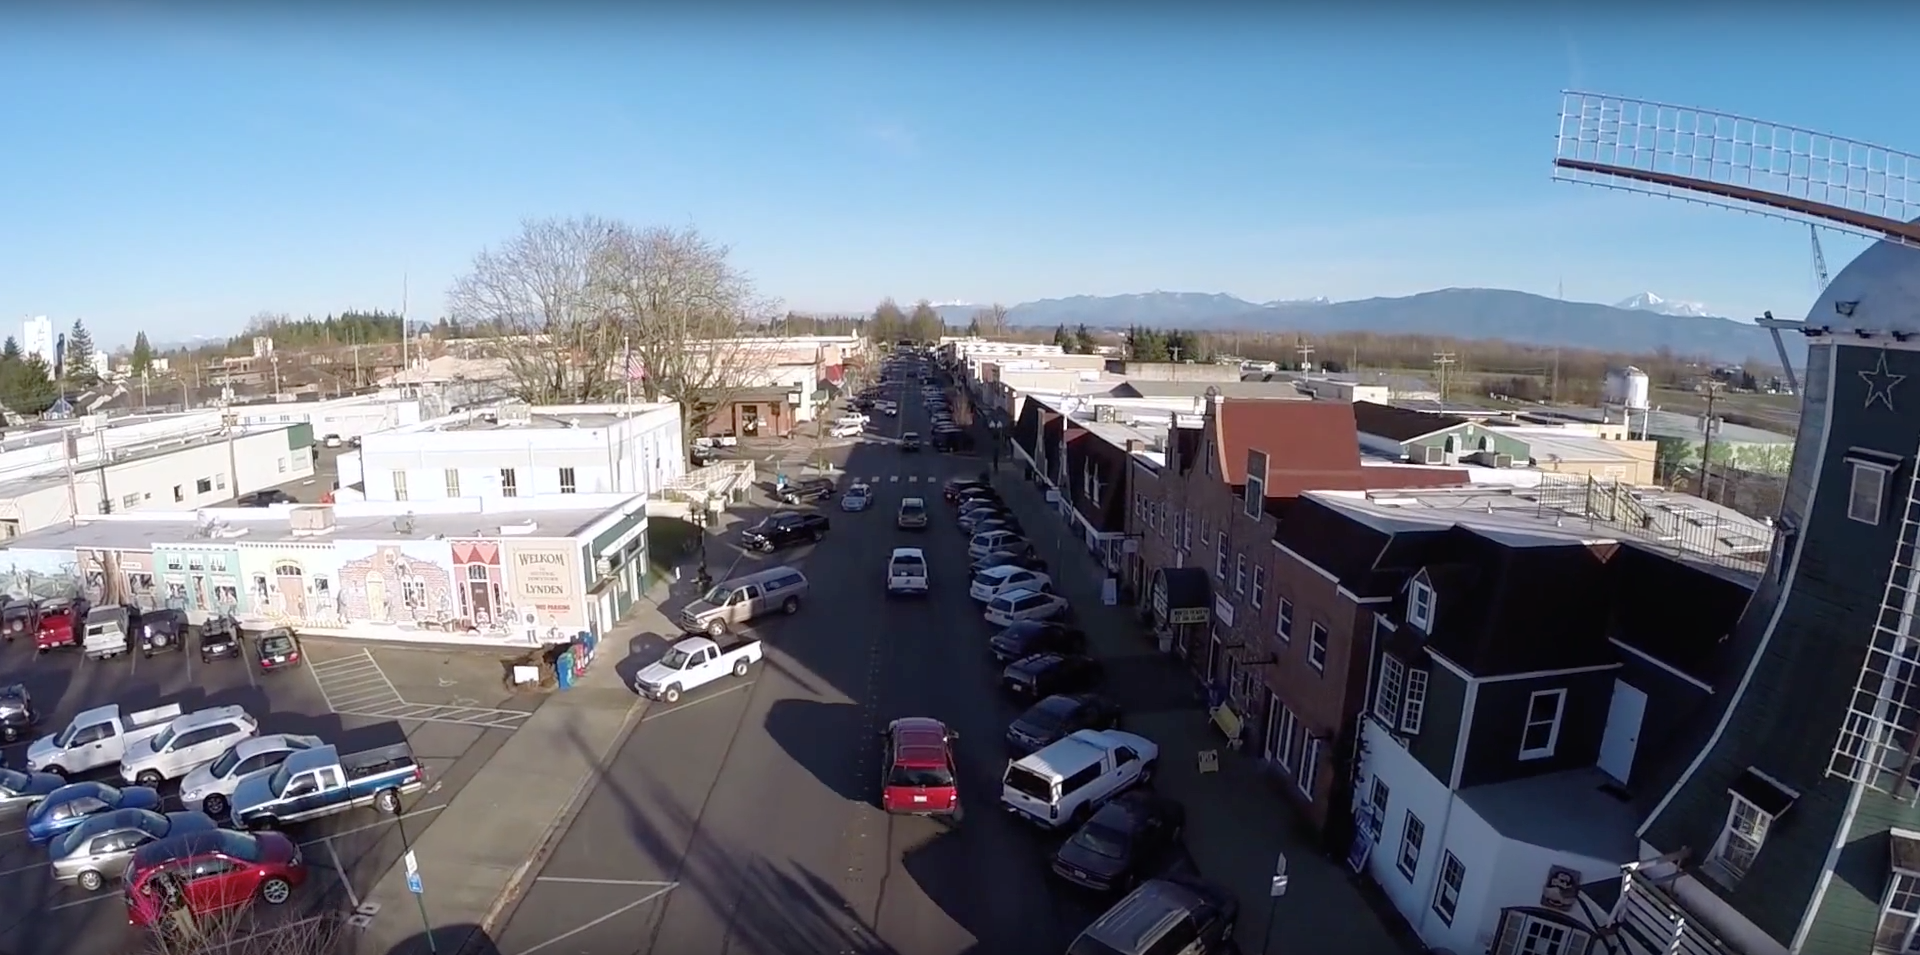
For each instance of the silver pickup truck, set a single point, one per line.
(97, 737)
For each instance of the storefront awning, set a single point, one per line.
(1181, 595)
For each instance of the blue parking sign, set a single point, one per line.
(413, 883)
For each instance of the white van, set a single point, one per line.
(982, 544)
(1062, 784)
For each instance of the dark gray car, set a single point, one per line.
(19, 790)
(98, 849)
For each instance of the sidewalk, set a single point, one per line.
(1237, 827)
(474, 853)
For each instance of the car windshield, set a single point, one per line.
(278, 781)
(909, 562)
(928, 776)
(675, 659)
(1102, 840)
(1023, 780)
(224, 763)
(14, 781)
(1049, 714)
(912, 507)
(718, 595)
(164, 740)
(276, 643)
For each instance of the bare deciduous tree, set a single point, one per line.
(690, 320)
(250, 932)
(542, 290)
(992, 320)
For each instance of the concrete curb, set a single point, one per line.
(508, 901)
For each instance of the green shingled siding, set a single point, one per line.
(1439, 732)
(1467, 438)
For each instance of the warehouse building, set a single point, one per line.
(517, 572)
(60, 471)
(342, 418)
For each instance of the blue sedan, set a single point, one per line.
(72, 804)
(857, 498)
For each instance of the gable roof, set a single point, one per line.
(1109, 463)
(1400, 424)
(1303, 438)
(1501, 608)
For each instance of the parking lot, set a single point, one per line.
(448, 704)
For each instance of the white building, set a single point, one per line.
(350, 417)
(514, 450)
(36, 338)
(179, 462)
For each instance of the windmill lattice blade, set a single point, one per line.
(1735, 162)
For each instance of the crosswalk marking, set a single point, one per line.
(893, 478)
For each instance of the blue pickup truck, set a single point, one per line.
(320, 782)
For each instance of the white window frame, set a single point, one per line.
(1389, 692)
(1420, 606)
(1309, 766)
(1413, 703)
(1283, 621)
(399, 485)
(1283, 751)
(1259, 595)
(453, 482)
(1240, 573)
(569, 481)
(1256, 496)
(1186, 528)
(1528, 723)
(1317, 647)
(1446, 893)
(1413, 835)
(1220, 555)
(1901, 884)
(1855, 506)
(1735, 851)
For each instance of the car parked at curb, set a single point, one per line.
(1123, 842)
(1059, 716)
(70, 805)
(209, 788)
(1005, 579)
(1045, 674)
(1022, 605)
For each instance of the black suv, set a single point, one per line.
(1057, 717)
(800, 492)
(785, 530)
(1028, 637)
(1045, 674)
(265, 498)
(1164, 916)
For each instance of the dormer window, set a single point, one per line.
(1899, 929)
(1256, 483)
(1867, 486)
(1756, 800)
(1420, 605)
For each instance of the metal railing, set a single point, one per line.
(1682, 525)
(718, 480)
(1650, 921)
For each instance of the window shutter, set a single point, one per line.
(1413, 708)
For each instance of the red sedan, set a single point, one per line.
(211, 872)
(919, 768)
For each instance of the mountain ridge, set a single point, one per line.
(1464, 313)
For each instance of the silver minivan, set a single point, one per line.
(732, 604)
(982, 544)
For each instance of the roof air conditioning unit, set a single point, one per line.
(1503, 460)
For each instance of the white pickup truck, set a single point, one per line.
(106, 633)
(97, 737)
(695, 661)
(907, 572)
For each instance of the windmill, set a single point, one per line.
(1852, 735)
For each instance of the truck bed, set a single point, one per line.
(372, 762)
(731, 643)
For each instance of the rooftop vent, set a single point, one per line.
(403, 524)
(521, 529)
(310, 520)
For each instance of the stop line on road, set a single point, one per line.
(355, 685)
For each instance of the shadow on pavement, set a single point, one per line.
(764, 907)
(643, 650)
(815, 734)
(945, 870)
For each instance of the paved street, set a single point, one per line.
(743, 819)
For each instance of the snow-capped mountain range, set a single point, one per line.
(1649, 302)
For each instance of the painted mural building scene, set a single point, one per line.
(516, 572)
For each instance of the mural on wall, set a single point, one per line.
(291, 585)
(400, 583)
(199, 580)
(38, 574)
(544, 584)
(480, 588)
(118, 577)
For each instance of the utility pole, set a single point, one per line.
(1442, 359)
(1707, 428)
(1304, 349)
(405, 366)
(69, 447)
(1553, 384)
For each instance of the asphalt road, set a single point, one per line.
(745, 819)
(39, 917)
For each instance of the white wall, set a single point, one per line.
(639, 455)
(347, 417)
(1411, 787)
(263, 460)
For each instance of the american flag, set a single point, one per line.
(636, 370)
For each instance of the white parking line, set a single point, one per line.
(557, 939)
(371, 825)
(633, 882)
(705, 699)
(25, 868)
(341, 870)
(89, 900)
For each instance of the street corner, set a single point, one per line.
(585, 915)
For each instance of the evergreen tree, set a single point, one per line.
(1061, 338)
(11, 350)
(973, 328)
(26, 385)
(1082, 341)
(78, 360)
(142, 360)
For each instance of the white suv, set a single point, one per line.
(1014, 606)
(907, 572)
(187, 743)
(208, 788)
(1005, 579)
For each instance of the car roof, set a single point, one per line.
(1003, 570)
(1019, 594)
(270, 743)
(208, 717)
(859, 486)
(919, 741)
(909, 552)
(193, 844)
(913, 502)
(1146, 914)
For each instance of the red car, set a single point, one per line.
(61, 621)
(919, 767)
(211, 872)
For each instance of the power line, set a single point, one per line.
(1441, 360)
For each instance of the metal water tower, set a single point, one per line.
(1628, 390)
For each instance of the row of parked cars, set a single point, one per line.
(224, 849)
(1071, 770)
(110, 630)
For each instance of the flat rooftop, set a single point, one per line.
(378, 521)
(1666, 424)
(1570, 811)
(505, 417)
(25, 478)
(1564, 511)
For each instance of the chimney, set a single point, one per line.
(1135, 445)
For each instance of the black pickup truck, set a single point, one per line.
(785, 530)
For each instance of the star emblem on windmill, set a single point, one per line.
(1880, 382)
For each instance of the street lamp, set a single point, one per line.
(701, 513)
(993, 432)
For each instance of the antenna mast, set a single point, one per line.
(405, 365)
(1819, 258)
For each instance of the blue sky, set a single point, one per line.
(177, 172)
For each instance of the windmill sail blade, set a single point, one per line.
(1731, 161)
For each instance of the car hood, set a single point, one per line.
(1005, 644)
(252, 790)
(655, 674)
(42, 751)
(1088, 861)
(1024, 670)
(198, 779)
(1035, 731)
(139, 752)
